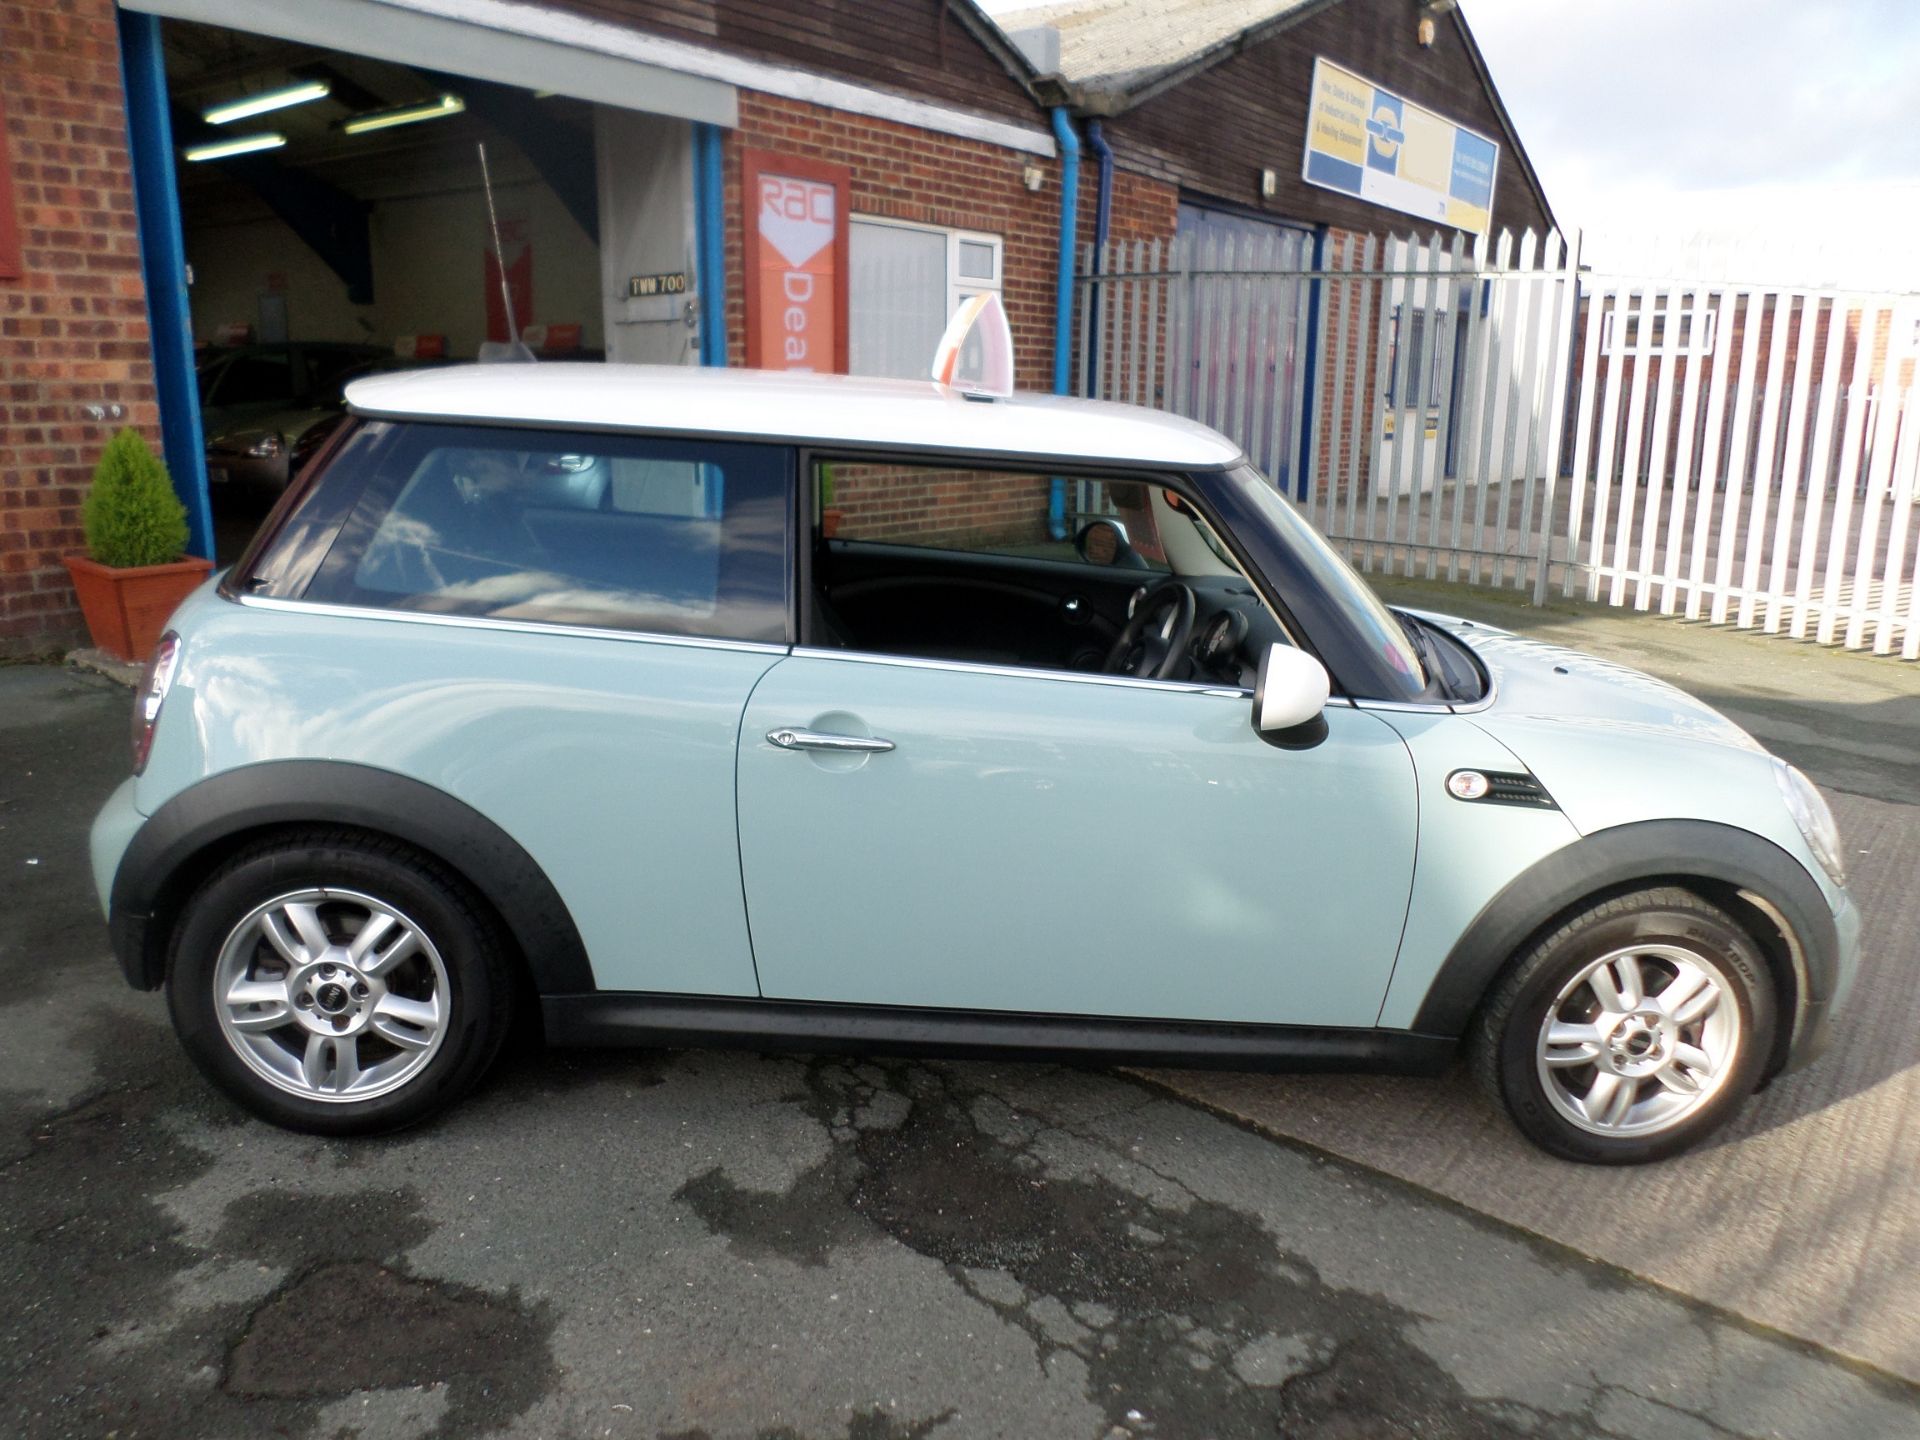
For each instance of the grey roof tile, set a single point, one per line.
(1117, 46)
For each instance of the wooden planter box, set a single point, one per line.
(127, 609)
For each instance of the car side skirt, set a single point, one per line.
(642, 1019)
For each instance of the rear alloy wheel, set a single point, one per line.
(1630, 1033)
(337, 983)
(331, 995)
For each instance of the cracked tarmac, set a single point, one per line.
(719, 1245)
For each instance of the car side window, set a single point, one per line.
(1017, 568)
(984, 512)
(613, 531)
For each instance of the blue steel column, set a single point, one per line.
(163, 264)
(1063, 293)
(1309, 379)
(1102, 220)
(709, 190)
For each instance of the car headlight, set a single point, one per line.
(267, 447)
(1809, 810)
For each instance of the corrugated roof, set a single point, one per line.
(1117, 46)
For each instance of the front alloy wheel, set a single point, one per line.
(1639, 1039)
(1632, 1031)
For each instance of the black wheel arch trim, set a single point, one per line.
(195, 829)
(1650, 852)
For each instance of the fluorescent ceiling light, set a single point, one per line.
(405, 115)
(267, 100)
(241, 145)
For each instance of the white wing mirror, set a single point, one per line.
(1292, 689)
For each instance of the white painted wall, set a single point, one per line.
(429, 274)
(231, 264)
(646, 228)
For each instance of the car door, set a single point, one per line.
(560, 629)
(920, 828)
(1066, 843)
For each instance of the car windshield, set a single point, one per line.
(1354, 596)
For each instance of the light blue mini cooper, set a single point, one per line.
(697, 707)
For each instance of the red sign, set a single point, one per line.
(552, 339)
(796, 260)
(10, 266)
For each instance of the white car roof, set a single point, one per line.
(785, 405)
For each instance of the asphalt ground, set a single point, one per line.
(705, 1244)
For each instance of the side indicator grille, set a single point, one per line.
(1499, 787)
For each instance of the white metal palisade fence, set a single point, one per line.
(1688, 440)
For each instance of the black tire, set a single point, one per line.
(1506, 1040)
(455, 923)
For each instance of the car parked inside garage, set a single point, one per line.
(257, 402)
(550, 679)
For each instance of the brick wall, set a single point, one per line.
(905, 173)
(73, 327)
(950, 509)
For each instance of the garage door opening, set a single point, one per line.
(335, 225)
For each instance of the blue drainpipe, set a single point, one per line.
(163, 265)
(710, 243)
(1063, 293)
(1102, 219)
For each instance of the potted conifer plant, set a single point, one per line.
(135, 571)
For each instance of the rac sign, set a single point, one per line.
(796, 223)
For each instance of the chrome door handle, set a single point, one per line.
(788, 738)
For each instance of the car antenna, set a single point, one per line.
(515, 349)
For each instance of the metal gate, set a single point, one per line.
(1209, 325)
(1494, 413)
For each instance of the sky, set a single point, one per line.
(1795, 119)
(1665, 127)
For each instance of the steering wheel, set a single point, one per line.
(1154, 641)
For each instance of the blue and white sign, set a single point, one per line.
(1380, 147)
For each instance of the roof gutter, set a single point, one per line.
(1069, 144)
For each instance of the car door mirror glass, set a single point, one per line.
(1291, 690)
(1105, 542)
